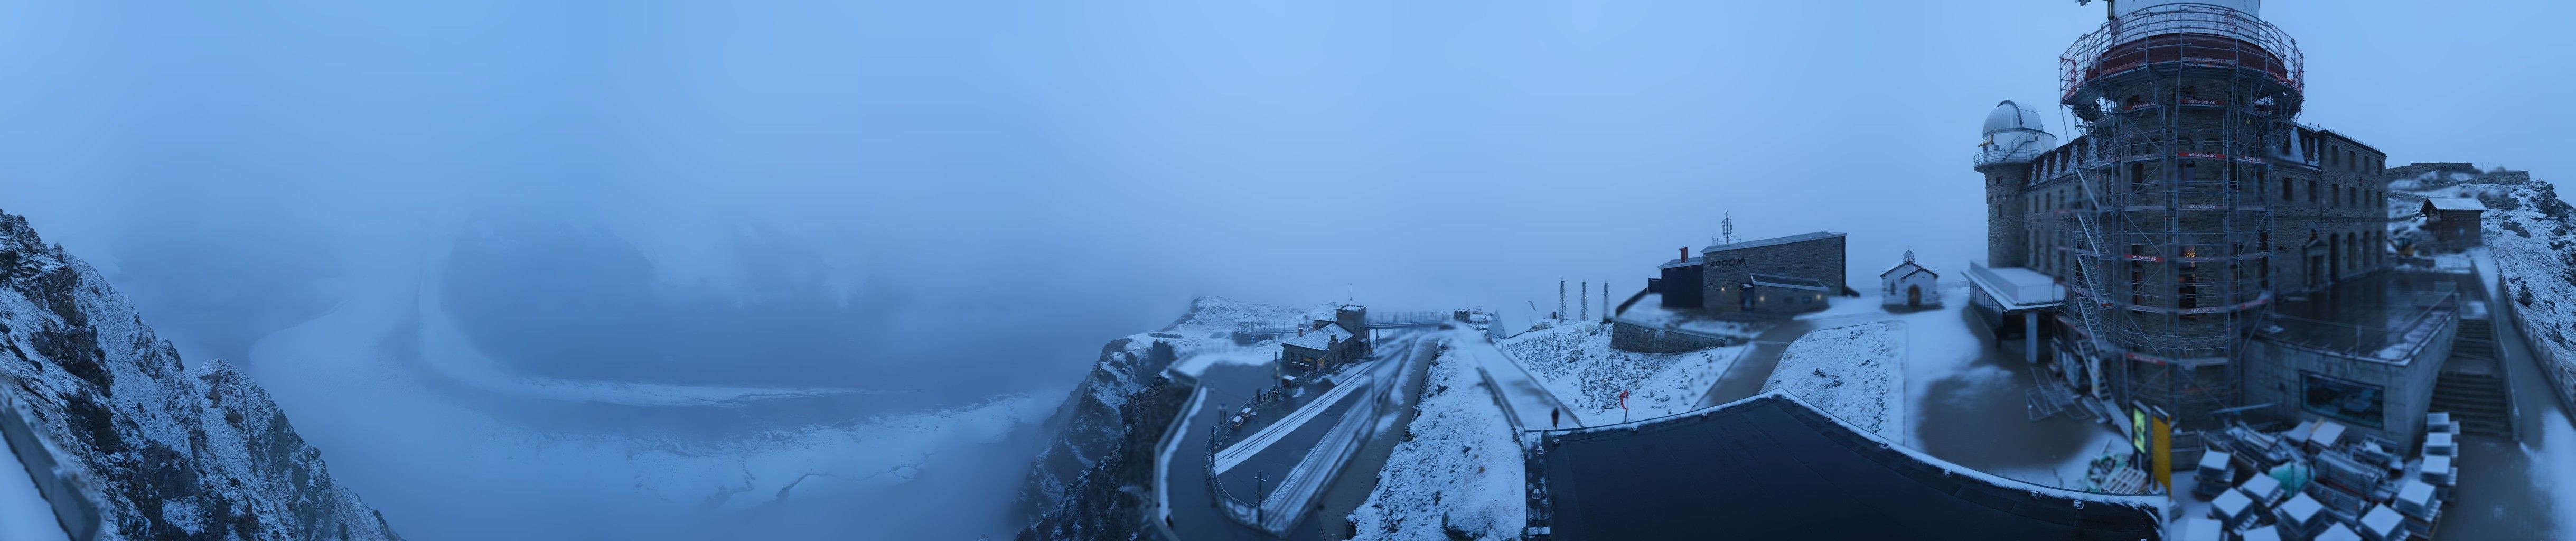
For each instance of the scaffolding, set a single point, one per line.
(2182, 109)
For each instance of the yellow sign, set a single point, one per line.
(2162, 453)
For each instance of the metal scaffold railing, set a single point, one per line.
(2181, 110)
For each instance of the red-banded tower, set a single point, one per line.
(2181, 106)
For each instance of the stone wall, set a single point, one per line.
(1727, 271)
(1625, 336)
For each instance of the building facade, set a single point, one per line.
(2187, 202)
(1756, 278)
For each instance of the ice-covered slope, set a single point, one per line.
(191, 451)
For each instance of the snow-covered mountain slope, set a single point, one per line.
(1107, 427)
(1456, 475)
(2531, 232)
(193, 451)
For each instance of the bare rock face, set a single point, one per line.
(194, 451)
(1082, 486)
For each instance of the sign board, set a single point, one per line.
(2138, 429)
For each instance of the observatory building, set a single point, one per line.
(2212, 255)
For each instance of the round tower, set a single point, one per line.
(2181, 107)
(2014, 136)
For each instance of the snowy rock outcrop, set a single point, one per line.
(1087, 484)
(2532, 233)
(176, 451)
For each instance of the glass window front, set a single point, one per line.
(2351, 402)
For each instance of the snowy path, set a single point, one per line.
(1235, 455)
(1530, 402)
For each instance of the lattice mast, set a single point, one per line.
(2181, 108)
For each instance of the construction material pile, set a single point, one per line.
(2312, 482)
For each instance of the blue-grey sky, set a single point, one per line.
(967, 198)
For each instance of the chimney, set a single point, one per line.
(1685, 253)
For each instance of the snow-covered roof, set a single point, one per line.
(1899, 270)
(1319, 339)
(1775, 241)
(1818, 477)
(2454, 203)
(1788, 282)
(1680, 263)
(2017, 288)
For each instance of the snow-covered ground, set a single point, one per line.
(2553, 464)
(1457, 469)
(24, 514)
(1576, 363)
(1855, 373)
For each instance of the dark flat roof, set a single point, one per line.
(1773, 467)
(1776, 241)
(2367, 314)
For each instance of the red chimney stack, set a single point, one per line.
(1685, 253)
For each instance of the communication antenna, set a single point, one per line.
(1727, 227)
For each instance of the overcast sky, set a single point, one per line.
(1065, 173)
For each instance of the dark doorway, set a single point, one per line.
(1914, 296)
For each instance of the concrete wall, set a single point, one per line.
(1727, 271)
(2273, 374)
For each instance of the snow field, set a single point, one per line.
(1456, 474)
(1577, 364)
(1855, 373)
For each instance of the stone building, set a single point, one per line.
(2453, 222)
(2188, 208)
(1800, 269)
(1327, 344)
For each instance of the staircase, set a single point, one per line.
(2470, 389)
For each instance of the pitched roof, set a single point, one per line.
(1792, 472)
(1319, 339)
(1919, 270)
(2454, 203)
(1900, 267)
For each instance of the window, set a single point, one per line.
(2356, 403)
(2285, 188)
(2312, 190)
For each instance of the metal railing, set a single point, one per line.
(74, 501)
(2372, 343)
(2122, 43)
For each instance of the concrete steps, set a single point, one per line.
(2476, 401)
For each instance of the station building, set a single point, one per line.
(2205, 254)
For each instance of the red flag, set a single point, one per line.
(1623, 399)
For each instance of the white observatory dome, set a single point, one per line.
(2014, 134)
(2011, 116)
